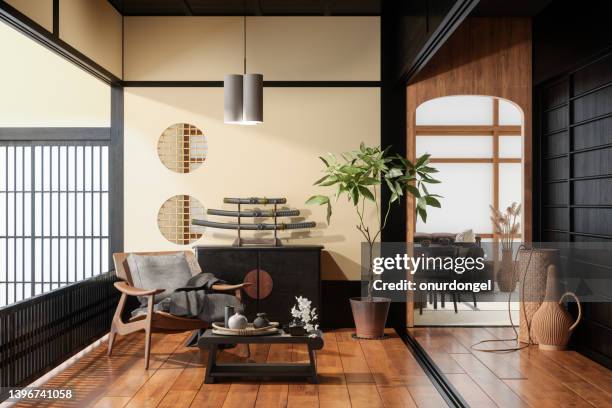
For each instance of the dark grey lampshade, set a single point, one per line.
(232, 98)
(252, 108)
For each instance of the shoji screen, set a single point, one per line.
(476, 144)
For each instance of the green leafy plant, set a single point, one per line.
(359, 174)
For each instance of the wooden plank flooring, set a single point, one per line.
(526, 378)
(352, 373)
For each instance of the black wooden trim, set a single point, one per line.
(459, 12)
(56, 18)
(252, 14)
(35, 31)
(267, 84)
(322, 84)
(116, 166)
(452, 397)
(54, 133)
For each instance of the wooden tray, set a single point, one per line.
(219, 328)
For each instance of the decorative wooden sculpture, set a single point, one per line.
(255, 213)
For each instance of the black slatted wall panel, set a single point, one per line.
(575, 156)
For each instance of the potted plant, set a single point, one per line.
(358, 175)
(506, 228)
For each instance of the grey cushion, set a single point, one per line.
(167, 272)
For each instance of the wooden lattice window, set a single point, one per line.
(174, 219)
(476, 144)
(182, 148)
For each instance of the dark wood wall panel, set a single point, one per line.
(596, 221)
(593, 104)
(556, 169)
(556, 194)
(593, 134)
(556, 219)
(555, 144)
(592, 163)
(555, 95)
(597, 192)
(575, 160)
(593, 76)
(555, 120)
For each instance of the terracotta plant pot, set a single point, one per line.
(370, 316)
(506, 278)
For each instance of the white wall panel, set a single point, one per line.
(467, 191)
(511, 147)
(509, 113)
(455, 146)
(456, 110)
(510, 184)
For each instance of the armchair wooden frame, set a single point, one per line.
(154, 321)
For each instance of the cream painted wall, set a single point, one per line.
(93, 27)
(314, 48)
(282, 48)
(41, 11)
(278, 158)
(40, 88)
(182, 48)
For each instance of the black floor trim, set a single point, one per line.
(444, 387)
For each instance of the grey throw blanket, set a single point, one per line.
(195, 300)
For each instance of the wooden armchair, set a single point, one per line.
(154, 321)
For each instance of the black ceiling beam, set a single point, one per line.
(186, 7)
(458, 12)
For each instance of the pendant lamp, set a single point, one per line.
(243, 95)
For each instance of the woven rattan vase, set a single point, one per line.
(533, 269)
(505, 276)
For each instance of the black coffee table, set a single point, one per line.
(216, 370)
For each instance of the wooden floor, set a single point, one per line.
(527, 378)
(351, 373)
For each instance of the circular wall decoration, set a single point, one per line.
(182, 148)
(174, 219)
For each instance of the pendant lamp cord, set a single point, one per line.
(244, 36)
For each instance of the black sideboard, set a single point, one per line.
(292, 270)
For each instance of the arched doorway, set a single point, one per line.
(476, 143)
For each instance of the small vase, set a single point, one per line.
(261, 321)
(506, 279)
(237, 321)
(552, 324)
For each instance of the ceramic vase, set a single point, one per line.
(237, 321)
(261, 321)
(552, 325)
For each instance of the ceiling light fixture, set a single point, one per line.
(243, 94)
